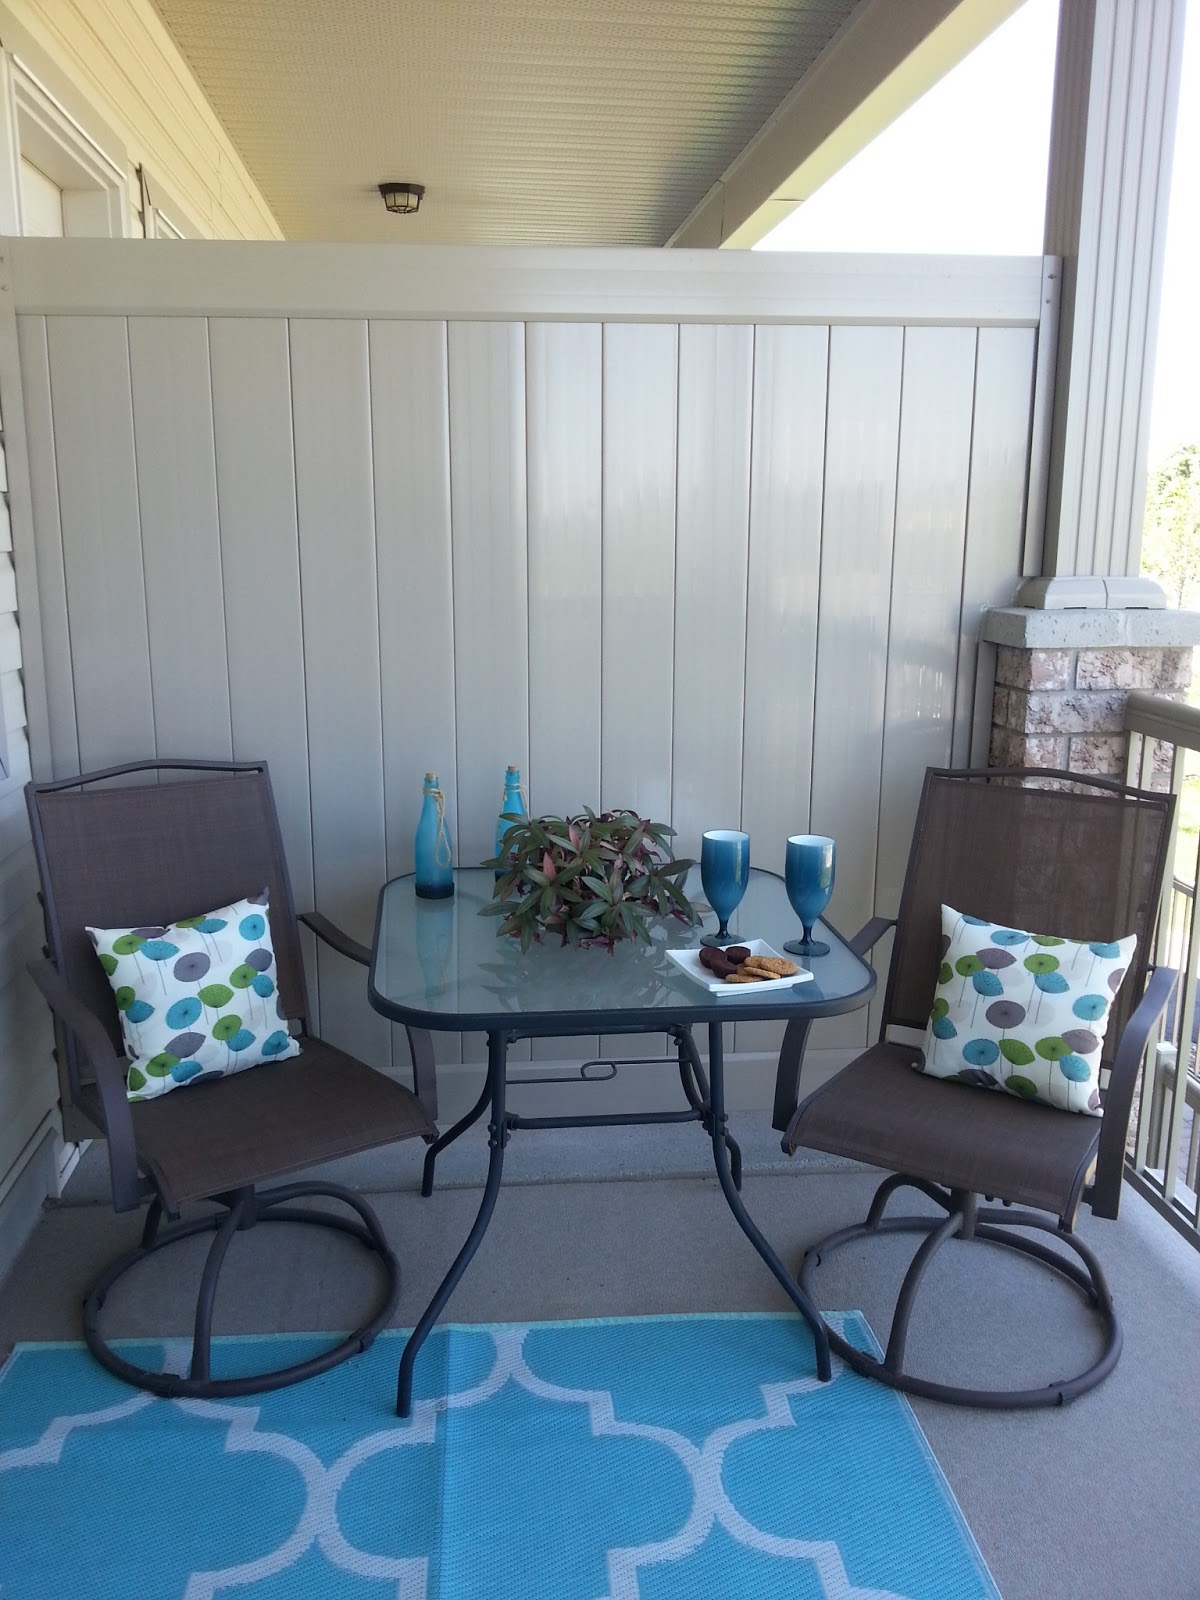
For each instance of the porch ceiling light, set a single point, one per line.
(402, 198)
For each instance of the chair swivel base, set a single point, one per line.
(992, 1225)
(245, 1209)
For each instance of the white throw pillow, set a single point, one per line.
(1023, 1012)
(198, 998)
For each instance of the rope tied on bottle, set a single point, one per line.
(441, 844)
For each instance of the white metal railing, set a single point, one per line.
(1164, 1151)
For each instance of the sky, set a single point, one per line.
(963, 172)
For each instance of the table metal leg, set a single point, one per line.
(695, 1086)
(497, 1139)
(716, 1073)
(443, 1139)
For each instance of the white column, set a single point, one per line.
(1117, 81)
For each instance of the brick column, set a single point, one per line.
(1062, 679)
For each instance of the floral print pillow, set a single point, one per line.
(198, 998)
(1025, 1013)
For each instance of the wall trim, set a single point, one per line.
(21, 1206)
(91, 177)
(469, 282)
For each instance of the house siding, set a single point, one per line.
(113, 60)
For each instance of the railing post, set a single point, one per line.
(1166, 1150)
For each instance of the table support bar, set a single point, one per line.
(691, 1076)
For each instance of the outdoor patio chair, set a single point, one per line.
(1077, 858)
(145, 854)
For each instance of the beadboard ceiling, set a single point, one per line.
(589, 122)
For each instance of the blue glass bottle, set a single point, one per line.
(431, 847)
(512, 807)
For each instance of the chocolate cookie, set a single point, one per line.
(737, 953)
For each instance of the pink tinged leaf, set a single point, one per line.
(573, 834)
(548, 865)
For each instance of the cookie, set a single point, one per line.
(737, 953)
(711, 956)
(772, 966)
(740, 975)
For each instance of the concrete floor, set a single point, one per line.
(1086, 1502)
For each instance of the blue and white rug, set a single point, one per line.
(659, 1458)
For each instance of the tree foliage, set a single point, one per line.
(1171, 535)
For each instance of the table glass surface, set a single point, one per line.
(439, 963)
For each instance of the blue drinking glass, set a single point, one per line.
(724, 872)
(808, 877)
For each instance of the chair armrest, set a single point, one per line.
(336, 938)
(870, 934)
(1105, 1193)
(420, 1044)
(97, 1049)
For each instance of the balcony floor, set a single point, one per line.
(1082, 1503)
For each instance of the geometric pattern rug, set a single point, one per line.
(649, 1458)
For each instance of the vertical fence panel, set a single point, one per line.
(995, 519)
(410, 451)
(335, 514)
(260, 557)
(927, 570)
(641, 372)
(61, 757)
(491, 608)
(102, 551)
(491, 633)
(715, 378)
(786, 489)
(563, 378)
(862, 438)
(181, 547)
(563, 409)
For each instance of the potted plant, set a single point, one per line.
(591, 879)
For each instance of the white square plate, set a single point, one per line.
(689, 961)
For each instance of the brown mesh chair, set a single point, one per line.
(1084, 860)
(148, 853)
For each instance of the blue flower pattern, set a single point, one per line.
(193, 996)
(1027, 1041)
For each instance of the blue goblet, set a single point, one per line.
(724, 872)
(808, 877)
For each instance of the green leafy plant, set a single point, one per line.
(591, 879)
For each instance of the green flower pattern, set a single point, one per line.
(197, 998)
(1024, 1013)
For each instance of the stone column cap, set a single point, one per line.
(1026, 628)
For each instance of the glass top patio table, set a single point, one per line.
(439, 964)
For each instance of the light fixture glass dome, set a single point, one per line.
(402, 198)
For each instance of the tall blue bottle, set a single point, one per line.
(512, 806)
(431, 847)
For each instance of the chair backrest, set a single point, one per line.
(140, 853)
(1046, 851)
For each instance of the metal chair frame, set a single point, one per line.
(965, 1219)
(94, 1073)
